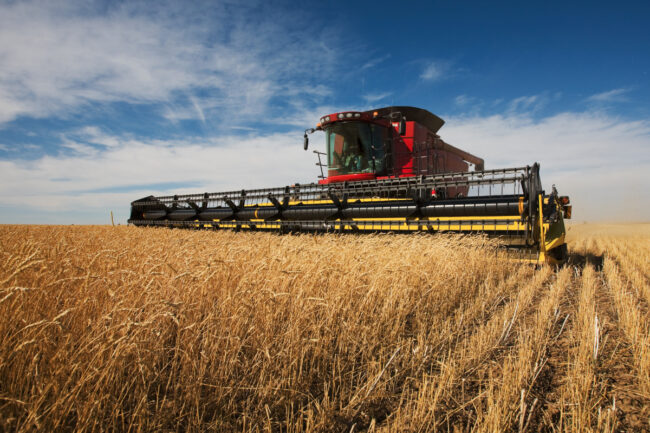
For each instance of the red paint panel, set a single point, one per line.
(348, 177)
(403, 149)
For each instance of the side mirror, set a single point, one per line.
(306, 140)
(402, 127)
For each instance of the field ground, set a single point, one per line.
(127, 329)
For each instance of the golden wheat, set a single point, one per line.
(131, 329)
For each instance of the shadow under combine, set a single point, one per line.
(581, 260)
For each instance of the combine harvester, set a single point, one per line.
(387, 171)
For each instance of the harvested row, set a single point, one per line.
(630, 262)
(510, 404)
(636, 327)
(448, 395)
(581, 401)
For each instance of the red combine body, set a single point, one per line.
(388, 142)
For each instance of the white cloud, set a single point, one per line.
(198, 110)
(86, 184)
(57, 57)
(600, 161)
(371, 98)
(615, 95)
(242, 128)
(462, 100)
(94, 135)
(526, 103)
(434, 71)
(374, 62)
(79, 148)
(308, 116)
(529, 103)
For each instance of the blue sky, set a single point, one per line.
(102, 103)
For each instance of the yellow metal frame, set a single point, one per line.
(550, 235)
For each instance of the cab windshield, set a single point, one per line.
(355, 147)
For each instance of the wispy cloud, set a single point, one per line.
(96, 179)
(614, 95)
(242, 128)
(374, 62)
(78, 54)
(197, 108)
(582, 153)
(436, 70)
(94, 135)
(463, 100)
(371, 98)
(526, 103)
(530, 103)
(307, 115)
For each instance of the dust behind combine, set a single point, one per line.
(132, 329)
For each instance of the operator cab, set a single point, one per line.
(355, 147)
(387, 142)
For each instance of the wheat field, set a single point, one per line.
(134, 329)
